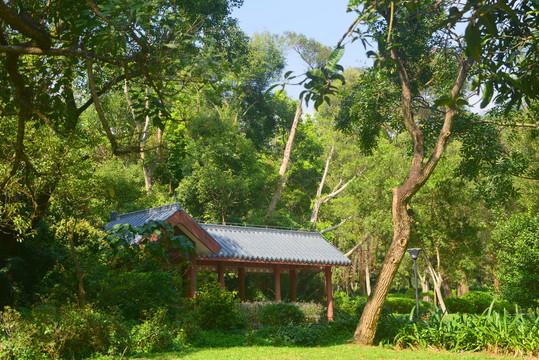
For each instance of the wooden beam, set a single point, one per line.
(293, 295)
(329, 292)
(181, 218)
(277, 282)
(241, 273)
(193, 276)
(221, 271)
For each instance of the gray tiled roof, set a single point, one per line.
(250, 243)
(141, 217)
(259, 244)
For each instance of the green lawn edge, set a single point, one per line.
(341, 352)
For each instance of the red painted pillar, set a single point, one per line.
(221, 270)
(329, 292)
(241, 275)
(277, 282)
(293, 296)
(192, 276)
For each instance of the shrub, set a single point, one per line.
(135, 292)
(54, 332)
(281, 314)
(154, 334)
(343, 303)
(216, 308)
(460, 305)
(312, 312)
(405, 305)
(480, 299)
(501, 305)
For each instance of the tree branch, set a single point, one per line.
(336, 226)
(24, 23)
(69, 52)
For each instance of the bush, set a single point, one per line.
(313, 313)
(216, 308)
(480, 299)
(345, 304)
(66, 332)
(460, 305)
(501, 305)
(154, 334)
(135, 292)
(405, 305)
(281, 314)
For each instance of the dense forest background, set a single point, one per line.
(126, 107)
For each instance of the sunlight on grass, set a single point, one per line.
(341, 352)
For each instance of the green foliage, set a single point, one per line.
(518, 259)
(343, 303)
(135, 292)
(223, 173)
(517, 334)
(312, 312)
(216, 308)
(460, 305)
(153, 334)
(404, 305)
(122, 245)
(281, 314)
(479, 299)
(48, 332)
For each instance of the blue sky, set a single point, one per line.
(325, 21)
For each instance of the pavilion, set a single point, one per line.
(224, 248)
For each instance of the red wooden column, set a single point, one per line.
(293, 296)
(192, 276)
(221, 270)
(241, 275)
(277, 282)
(329, 292)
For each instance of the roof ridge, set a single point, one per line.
(260, 227)
(153, 210)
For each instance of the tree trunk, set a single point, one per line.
(463, 287)
(286, 159)
(367, 279)
(418, 176)
(318, 200)
(446, 283)
(366, 328)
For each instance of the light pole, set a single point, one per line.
(414, 253)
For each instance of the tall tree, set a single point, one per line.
(430, 61)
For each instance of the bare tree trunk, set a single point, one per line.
(317, 202)
(418, 175)
(148, 168)
(286, 159)
(437, 280)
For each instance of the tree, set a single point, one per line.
(49, 53)
(429, 61)
(410, 44)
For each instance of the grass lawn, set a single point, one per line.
(343, 352)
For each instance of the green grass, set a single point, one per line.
(341, 352)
